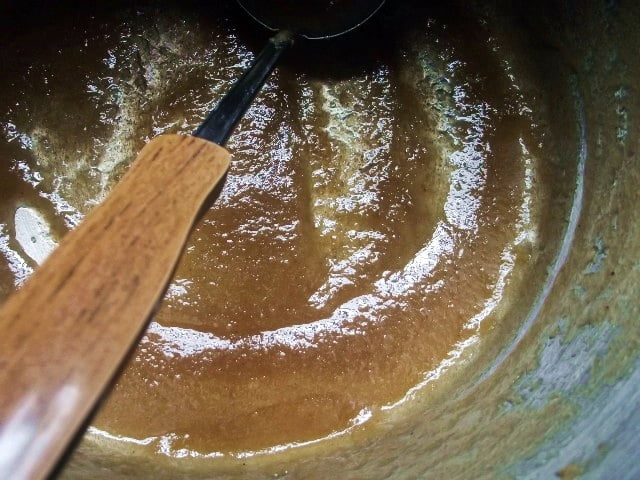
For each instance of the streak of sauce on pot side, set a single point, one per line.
(368, 226)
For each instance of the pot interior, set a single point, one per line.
(424, 260)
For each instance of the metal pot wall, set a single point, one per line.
(553, 390)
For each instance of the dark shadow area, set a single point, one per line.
(359, 51)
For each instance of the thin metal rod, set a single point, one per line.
(227, 113)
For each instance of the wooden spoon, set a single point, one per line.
(65, 333)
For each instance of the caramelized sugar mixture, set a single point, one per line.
(381, 199)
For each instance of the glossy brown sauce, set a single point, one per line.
(369, 224)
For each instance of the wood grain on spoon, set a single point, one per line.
(64, 334)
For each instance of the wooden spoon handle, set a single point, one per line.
(66, 332)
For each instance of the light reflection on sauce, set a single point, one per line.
(367, 227)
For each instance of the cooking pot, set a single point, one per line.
(553, 388)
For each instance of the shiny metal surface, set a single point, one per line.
(315, 19)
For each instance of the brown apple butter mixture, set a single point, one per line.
(381, 199)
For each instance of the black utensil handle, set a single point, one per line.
(227, 113)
